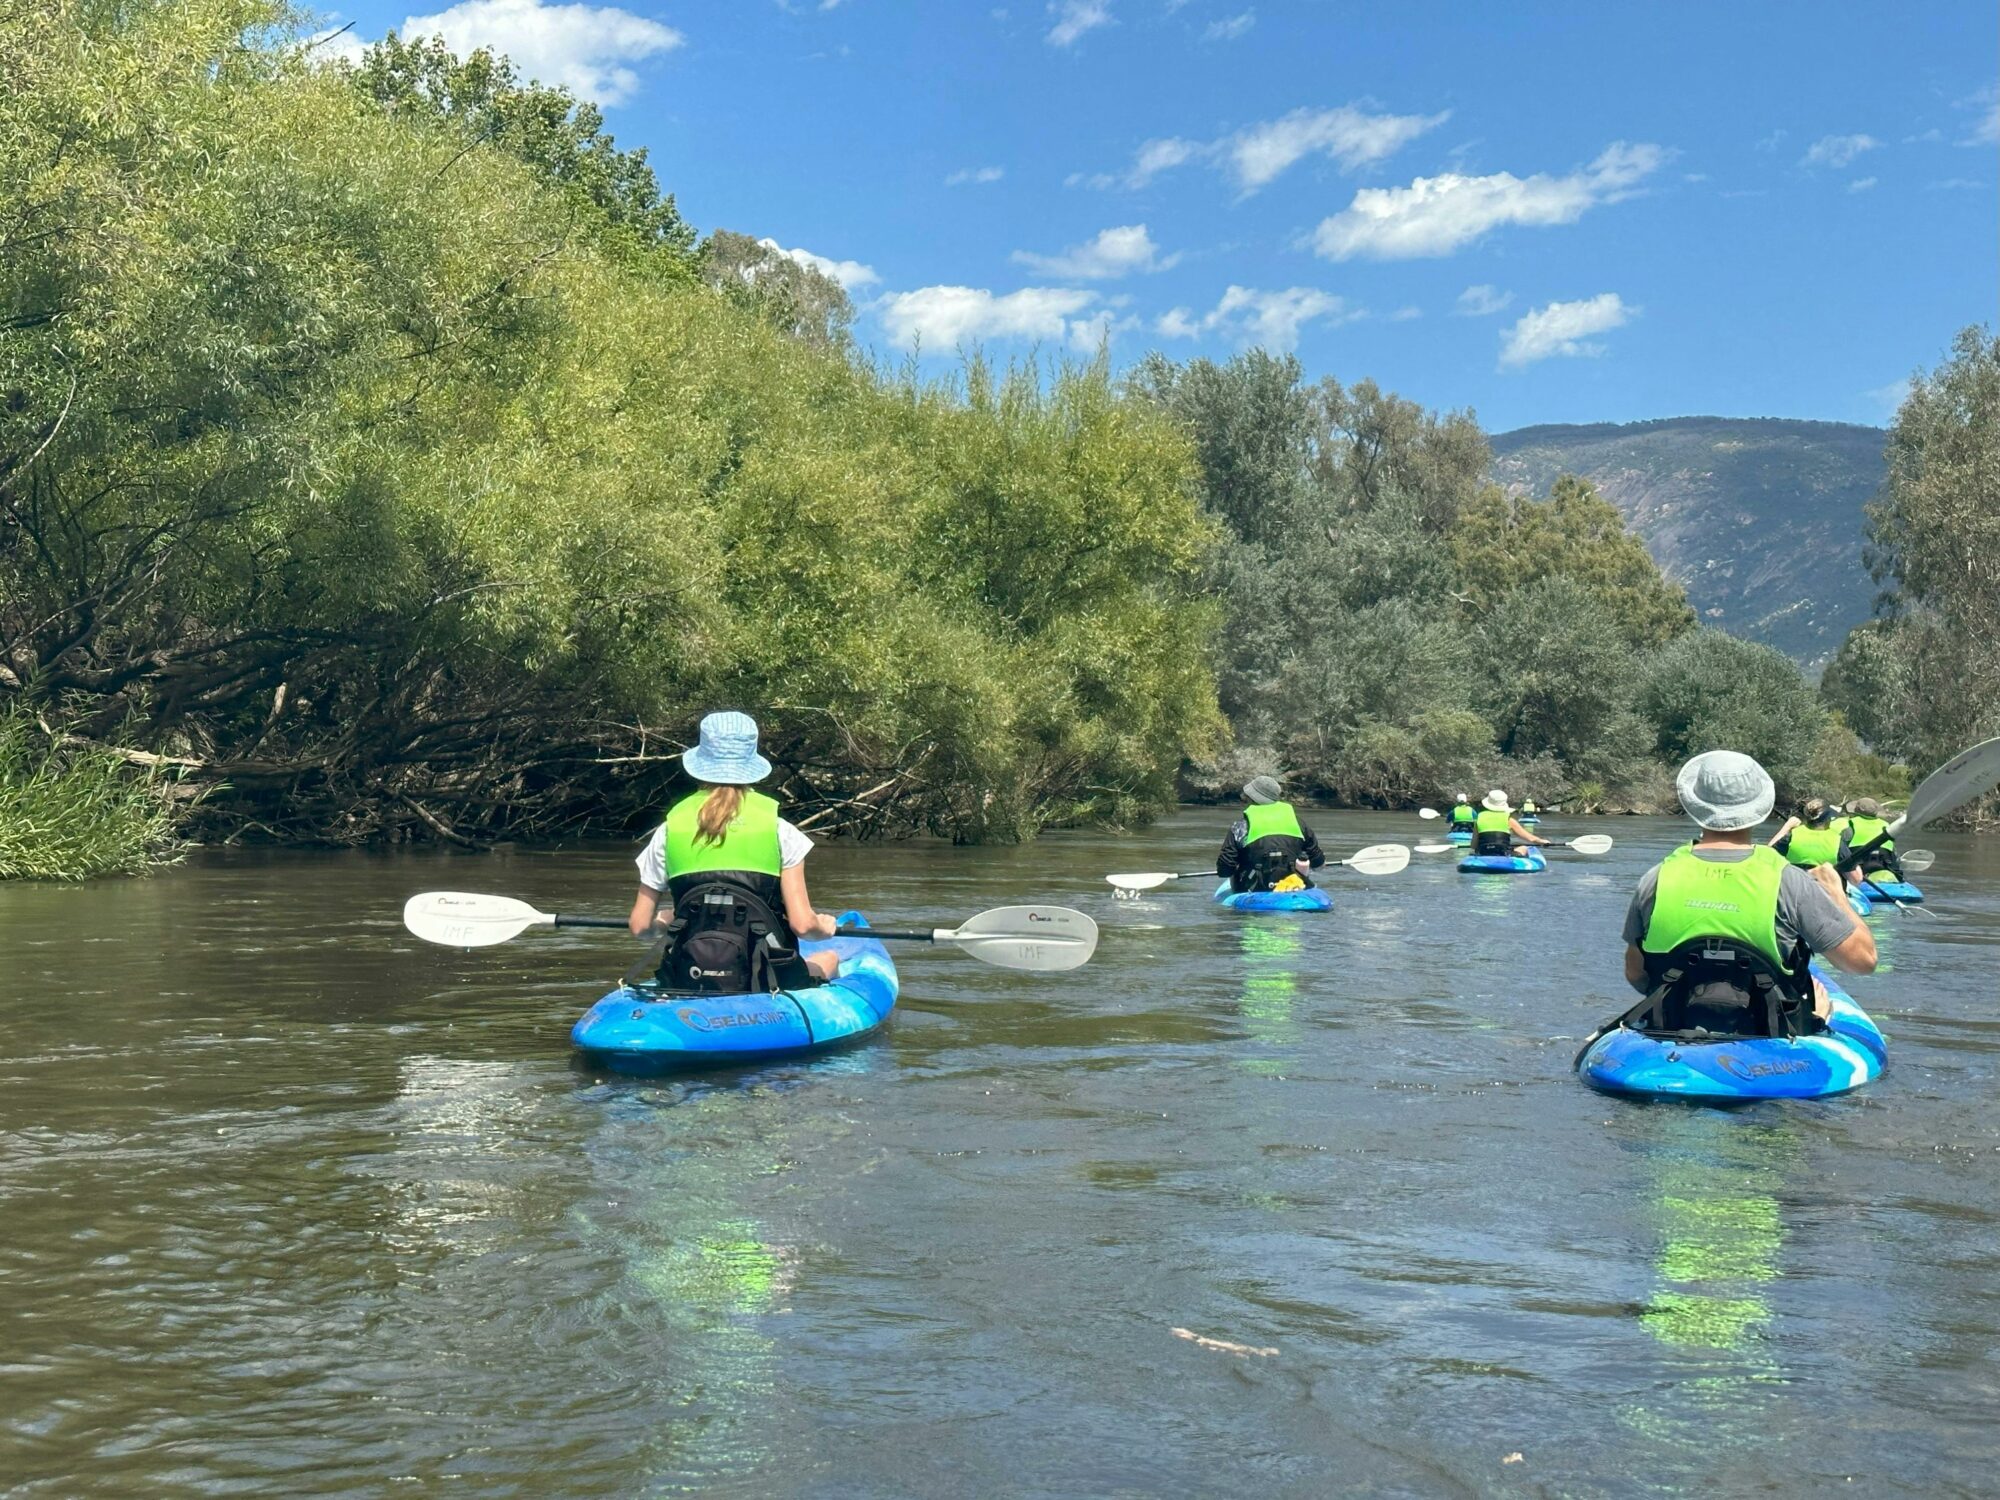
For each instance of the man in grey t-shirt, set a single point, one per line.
(1727, 795)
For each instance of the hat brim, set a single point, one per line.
(725, 770)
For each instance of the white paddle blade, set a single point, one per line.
(1592, 843)
(1147, 882)
(1042, 939)
(1427, 813)
(1916, 861)
(1968, 774)
(1379, 859)
(460, 919)
(1437, 848)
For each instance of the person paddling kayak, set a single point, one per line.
(1868, 837)
(732, 874)
(1719, 933)
(1812, 838)
(1495, 830)
(1269, 844)
(1463, 815)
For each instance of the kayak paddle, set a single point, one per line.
(1376, 859)
(1589, 843)
(1968, 774)
(1427, 813)
(1918, 860)
(1038, 938)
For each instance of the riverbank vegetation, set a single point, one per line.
(383, 455)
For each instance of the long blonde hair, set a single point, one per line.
(718, 811)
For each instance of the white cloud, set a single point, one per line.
(1352, 138)
(1862, 184)
(1434, 216)
(1837, 150)
(1113, 253)
(1986, 129)
(1406, 314)
(849, 273)
(1955, 184)
(586, 49)
(1248, 316)
(975, 174)
(1257, 154)
(1074, 18)
(948, 316)
(1230, 29)
(1482, 301)
(1562, 328)
(1888, 399)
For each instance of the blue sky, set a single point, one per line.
(1545, 212)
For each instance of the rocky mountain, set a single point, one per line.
(1759, 519)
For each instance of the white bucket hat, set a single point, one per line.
(1496, 801)
(1725, 791)
(727, 754)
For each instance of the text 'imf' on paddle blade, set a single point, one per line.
(463, 919)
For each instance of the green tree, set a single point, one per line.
(1924, 682)
(561, 138)
(796, 299)
(1556, 677)
(1710, 691)
(1501, 541)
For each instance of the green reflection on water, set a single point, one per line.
(1270, 989)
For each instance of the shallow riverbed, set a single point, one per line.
(294, 1204)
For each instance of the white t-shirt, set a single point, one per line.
(793, 847)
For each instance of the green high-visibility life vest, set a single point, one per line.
(1860, 830)
(1462, 816)
(1733, 902)
(1813, 846)
(749, 843)
(1528, 806)
(1270, 820)
(1491, 822)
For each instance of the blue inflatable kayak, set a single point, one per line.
(1503, 864)
(636, 1029)
(1879, 887)
(1857, 900)
(1529, 820)
(1455, 837)
(1849, 1053)
(1312, 898)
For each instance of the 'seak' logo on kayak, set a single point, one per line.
(695, 1020)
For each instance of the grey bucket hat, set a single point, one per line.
(1262, 789)
(1725, 791)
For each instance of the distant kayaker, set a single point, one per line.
(1495, 830)
(1463, 815)
(1813, 838)
(1269, 844)
(732, 874)
(1528, 808)
(1868, 837)
(1718, 934)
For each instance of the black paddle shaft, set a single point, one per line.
(617, 922)
(892, 934)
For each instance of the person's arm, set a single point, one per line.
(1315, 856)
(645, 907)
(1784, 834)
(1231, 854)
(1822, 917)
(1635, 968)
(1514, 827)
(799, 908)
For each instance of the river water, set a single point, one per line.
(293, 1204)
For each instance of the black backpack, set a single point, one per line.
(726, 940)
(1714, 989)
